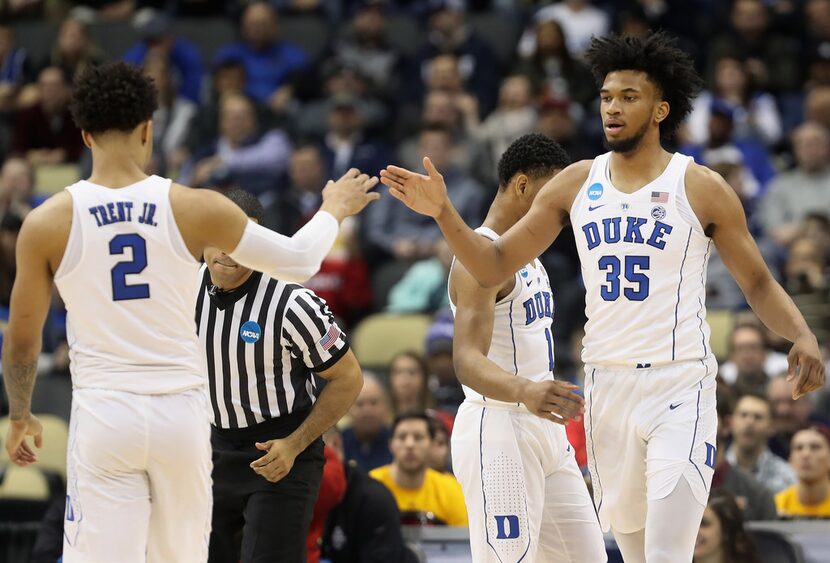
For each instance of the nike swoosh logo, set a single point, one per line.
(672, 407)
(530, 282)
(595, 207)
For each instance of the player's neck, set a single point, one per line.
(115, 169)
(406, 479)
(500, 217)
(633, 170)
(811, 494)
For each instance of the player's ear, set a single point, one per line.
(146, 131)
(520, 185)
(662, 111)
(87, 138)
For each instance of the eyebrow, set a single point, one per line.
(624, 90)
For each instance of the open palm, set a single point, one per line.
(426, 195)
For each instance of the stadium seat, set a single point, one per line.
(309, 32)
(23, 483)
(497, 30)
(775, 547)
(721, 323)
(52, 178)
(206, 34)
(114, 38)
(379, 337)
(37, 37)
(52, 456)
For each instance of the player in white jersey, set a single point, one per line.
(526, 498)
(123, 250)
(644, 220)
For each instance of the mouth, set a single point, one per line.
(613, 128)
(225, 264)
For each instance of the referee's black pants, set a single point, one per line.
(272, 518)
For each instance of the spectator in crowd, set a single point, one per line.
(366, 442)
(771, 58)
(722, 146)
(443, 74)
(754, 499)
(722, 537)
(364, 46)
(751, 430)
(172, 118)
(449, 34)
(345, 145)
(45, 132)
(559, 119)
(580, 21)
(331, 493)
(409, 236)
(408, 383)
(15, 67)
(9, 228)
(515, 116)
(817, 105)
(269, 62)
(256, 159)
(787, 415)
(422, 493)
(73, 49)
(343, 279)
(810, 458)
(157, 40)
(365, 525)
(755, 113)
(342, 79)
(423, 288)
(750, 360)
(439, 451)
(805, 271)
(548, 63)
(17, 184)
(805, 189)
(443, 383)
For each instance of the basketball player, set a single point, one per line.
(525, 494)
(123, 250)
(645, 220)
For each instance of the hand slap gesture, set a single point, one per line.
(426, 195)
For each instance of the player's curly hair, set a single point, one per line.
(533, 154)
(112, 97)
(658, 56)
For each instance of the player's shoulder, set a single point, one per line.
(702, 178)
(563, 188)
(575, 174)
(52, 216)
(709, 193)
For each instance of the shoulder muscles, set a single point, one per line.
(206, 218)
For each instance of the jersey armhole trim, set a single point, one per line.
(71, 259)
(174, 234)
(684, 206)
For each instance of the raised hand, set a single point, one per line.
(805, 363)
(426, 195)
(350, 194)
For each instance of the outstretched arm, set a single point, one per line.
(490, 262)
(206, 218)
(721, 212)
(474, 318)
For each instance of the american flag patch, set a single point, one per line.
(330, 337)
(659, 197)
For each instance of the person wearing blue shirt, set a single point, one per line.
(268, 61)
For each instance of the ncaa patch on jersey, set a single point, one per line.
(658, 212)
(250, 332)
(524, 272)
(595, 191)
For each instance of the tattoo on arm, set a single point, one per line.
(20, 381)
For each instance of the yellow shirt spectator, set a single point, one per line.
(788, 504)
(440, 494)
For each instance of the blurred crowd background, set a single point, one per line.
(277, 97)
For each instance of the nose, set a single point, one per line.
(613, 107)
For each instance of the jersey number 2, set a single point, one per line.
(611, 291)
(122, 291)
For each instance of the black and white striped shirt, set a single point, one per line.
(263, 343)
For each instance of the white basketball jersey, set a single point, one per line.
(129, 284)
(522, 342)
(644, 258)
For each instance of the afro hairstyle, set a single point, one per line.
(112, 97)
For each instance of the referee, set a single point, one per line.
(265, 342)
